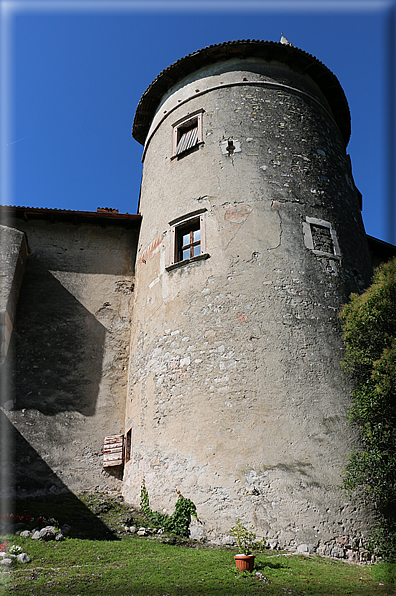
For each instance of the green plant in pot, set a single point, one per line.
(247, 544)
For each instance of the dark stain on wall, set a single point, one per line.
(26, 468)
(53, 334)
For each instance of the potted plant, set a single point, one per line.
(246, 542)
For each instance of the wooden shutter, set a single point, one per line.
(187, 140)
(113, 451)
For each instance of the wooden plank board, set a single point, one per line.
(113, 451)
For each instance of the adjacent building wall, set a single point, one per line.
(71, 342)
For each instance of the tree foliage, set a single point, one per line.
(369, 325)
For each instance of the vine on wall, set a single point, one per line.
(178, 523)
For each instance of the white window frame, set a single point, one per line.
(178, 127)
(177, 226)
(308, 240)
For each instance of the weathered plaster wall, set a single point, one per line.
(72, 337)
(236, 395)
(13, 253)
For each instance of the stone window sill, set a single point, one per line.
(202, 257)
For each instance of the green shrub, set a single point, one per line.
(369, 325)
(178, 523)
(246, 539)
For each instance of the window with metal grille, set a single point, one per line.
(187, 134)
(321, 238)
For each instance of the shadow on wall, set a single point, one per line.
(58, 348)
(23, 468)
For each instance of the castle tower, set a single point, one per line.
(251, 240)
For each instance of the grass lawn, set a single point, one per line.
(101, 558)
(135, 566)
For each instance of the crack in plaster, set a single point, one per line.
(280, 227)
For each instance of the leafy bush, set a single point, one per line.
(178, 523)
(246, 539)
(369, 325)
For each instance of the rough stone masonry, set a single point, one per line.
(236, 395)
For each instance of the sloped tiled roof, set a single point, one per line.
(103, 217)
(295, 58)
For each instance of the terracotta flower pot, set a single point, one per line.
(244, 562)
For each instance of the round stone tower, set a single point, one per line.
(251, 241)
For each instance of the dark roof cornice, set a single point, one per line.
(385, 249)
(296, 59)
(68, 215)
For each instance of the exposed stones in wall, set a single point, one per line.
(218, 358)
(236, 395)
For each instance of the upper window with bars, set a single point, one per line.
(187, 134)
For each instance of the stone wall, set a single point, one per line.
(13, 253)
(236, 396)
(70, 353)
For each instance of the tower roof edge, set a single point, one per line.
(327, 82)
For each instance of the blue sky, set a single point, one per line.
(74, 71)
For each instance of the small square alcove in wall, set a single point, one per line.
(320, 238)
